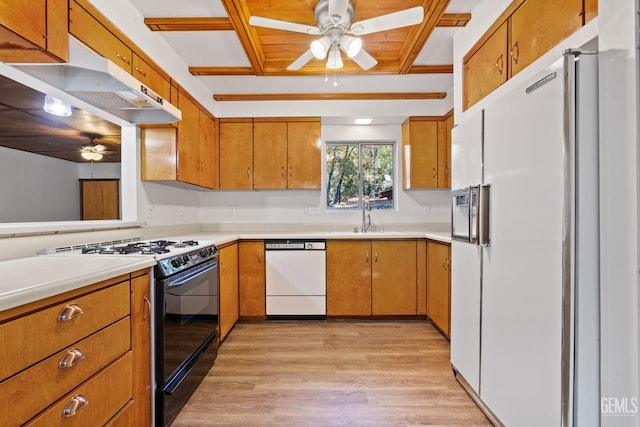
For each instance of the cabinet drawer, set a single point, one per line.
(91, 32)
(49, 335)
(34, 389)
(150, 77)
(105, 394)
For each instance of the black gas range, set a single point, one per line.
(185, 312)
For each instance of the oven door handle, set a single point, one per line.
(196, 271)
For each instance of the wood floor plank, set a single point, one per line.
(332, 373)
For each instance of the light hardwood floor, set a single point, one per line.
(333, 373)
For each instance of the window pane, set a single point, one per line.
(377, 168)
(342, 176)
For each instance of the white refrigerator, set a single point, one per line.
(525, 277)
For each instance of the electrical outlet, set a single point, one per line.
(180, 211)
(310, 210)
(426, 209)
(232, 211)
(150, 211)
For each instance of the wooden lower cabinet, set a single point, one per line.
(348, 278)
(439, 285)
(371, 278)
(98, 362)
(252, 285)
(228, 295)
(393, 278)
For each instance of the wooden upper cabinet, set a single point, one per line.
(444, 151)
(252, 281)
(210, 170)
(34, 31)
(420, 153)
(270, 155)
(539, 25)
(304, 155)
(91, 32)
(348, 278)
(236, 154)
(144, 72)
(439, 285)
(590, 10)
(158, 154)
(188, 141)
(394, 277)
(486, 68)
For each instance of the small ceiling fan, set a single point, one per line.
(93, 151)
(333, 19)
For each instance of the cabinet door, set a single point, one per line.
(304, 156)
(394, 277)
(189, 169)
(209, 168)
(444, 152)
(100, 199)
(348, 278)
(539, 25)
(590, 10)
(141, 348)
(487, 68)
(236, 155)
(252, 279)
(438, 285)
(142, 71)
(422, 155)
(270, 155)
(228, 298)
(91, 32)
(26, 19)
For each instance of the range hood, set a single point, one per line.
(102, 84)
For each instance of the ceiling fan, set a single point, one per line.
(93, 151)
(333, 19)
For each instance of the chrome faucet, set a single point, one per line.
(366, 219)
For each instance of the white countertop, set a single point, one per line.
(25, 280)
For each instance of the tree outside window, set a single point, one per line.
(358, 172)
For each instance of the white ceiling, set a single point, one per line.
(223, 49)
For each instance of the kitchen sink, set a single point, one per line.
(368, 233)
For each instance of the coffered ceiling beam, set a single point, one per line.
(329, 96)
(225, 24)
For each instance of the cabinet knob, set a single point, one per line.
(76, 403)
(435, 173)
(375, 255)
(500, 64)
(248, 171)
(70, 358)
(69, 312)
(366, 256)
(515, 53)
(260, 256)
(445, 263)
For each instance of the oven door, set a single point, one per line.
(186, 335)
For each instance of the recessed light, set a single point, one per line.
(363, 120)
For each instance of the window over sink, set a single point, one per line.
(357, 172)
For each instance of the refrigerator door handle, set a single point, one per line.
(484, 215)
(474, 218)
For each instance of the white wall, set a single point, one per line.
(308, 207)
(26, 195)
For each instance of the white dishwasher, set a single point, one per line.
(296, 278)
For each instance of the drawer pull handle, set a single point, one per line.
(141, 71)
(282, 172)
(500, 64)
(290, 171)
(145, 316)
(515, 53)
(72, 357)
(76, 403)
(123, 58)
(69, 312)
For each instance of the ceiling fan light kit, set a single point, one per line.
(91, 155)
(333, 18)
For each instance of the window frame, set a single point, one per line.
(361, 198)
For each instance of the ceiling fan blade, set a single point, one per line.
(338, 9)
(364, 60)
(258, 21)
(403, 18)
(301, 61)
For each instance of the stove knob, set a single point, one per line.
(185, 259)
(176, 262)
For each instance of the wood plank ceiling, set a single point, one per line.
(271, 51)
